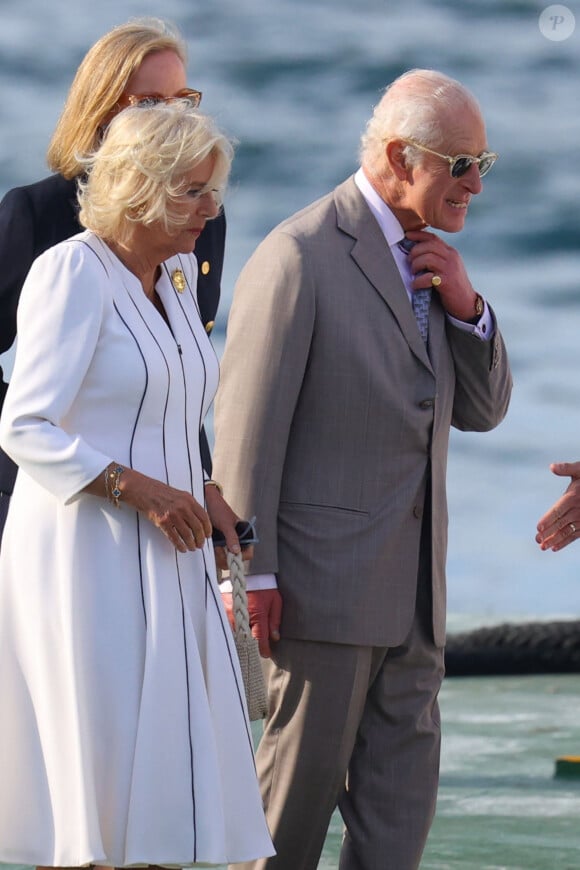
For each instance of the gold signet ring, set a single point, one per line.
(435, 280)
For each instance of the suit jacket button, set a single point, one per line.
(209, 326)
(418, 511)
(205, 267)
(426, 404)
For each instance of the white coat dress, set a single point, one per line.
(124, 737)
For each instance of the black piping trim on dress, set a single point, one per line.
(104, 263)
(227, 632)
(136, 422)
(185, 314)
(168, 369)
(87, 244)
(131, 442)
(179, 583)
(178, 298)
(209, 588)
(188, 693)
(138, 518)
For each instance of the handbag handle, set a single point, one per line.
(239, 595)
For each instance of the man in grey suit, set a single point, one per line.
(332, 425)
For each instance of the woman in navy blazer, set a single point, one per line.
(140, 59)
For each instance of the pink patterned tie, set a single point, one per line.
(420, 299)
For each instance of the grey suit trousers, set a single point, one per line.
(357, 727)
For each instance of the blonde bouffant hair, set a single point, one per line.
(99, 83)
(139, 173)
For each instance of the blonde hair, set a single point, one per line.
(415, 106)
(139, 173)
(99, 83)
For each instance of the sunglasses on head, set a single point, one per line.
(461, 163)
(146, 101)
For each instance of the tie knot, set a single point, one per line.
(406, 244)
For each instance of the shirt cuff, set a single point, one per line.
(254, 582)
(484, 329)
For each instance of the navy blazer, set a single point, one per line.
(39, 215)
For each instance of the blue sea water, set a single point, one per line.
(294, 82)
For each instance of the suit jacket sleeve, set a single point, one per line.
(483, 380)
(266, 353)
(16, 255)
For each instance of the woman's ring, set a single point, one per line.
(435, 280)
(573, 527)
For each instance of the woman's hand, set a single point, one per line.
(175, 512)
(224, 518)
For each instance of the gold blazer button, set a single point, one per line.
(205, 267)
(209, 326)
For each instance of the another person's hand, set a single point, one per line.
(223, 517)
(561, 524)
(265, 611)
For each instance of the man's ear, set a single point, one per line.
(396, 159)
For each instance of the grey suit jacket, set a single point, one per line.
(329, 414)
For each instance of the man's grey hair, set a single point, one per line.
(413, 106)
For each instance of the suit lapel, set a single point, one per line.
(436, 330)
(372, 255)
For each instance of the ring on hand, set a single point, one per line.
(573, 527)
(435, 280)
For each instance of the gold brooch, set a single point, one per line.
(178, 280)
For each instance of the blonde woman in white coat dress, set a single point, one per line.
(124, 737)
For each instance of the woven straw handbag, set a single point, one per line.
(246, 644)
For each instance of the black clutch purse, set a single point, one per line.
(245, 530)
